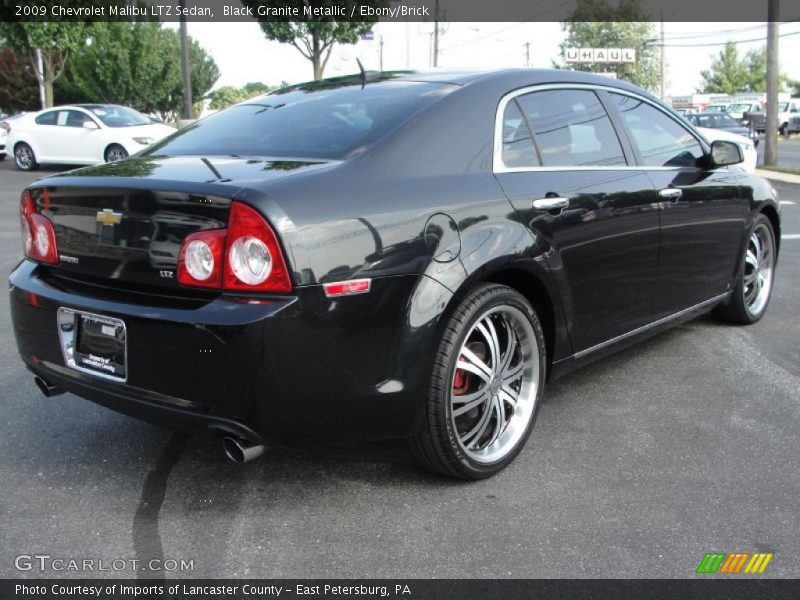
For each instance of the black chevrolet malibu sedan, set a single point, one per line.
(395, 255)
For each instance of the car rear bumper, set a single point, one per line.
(293, 369)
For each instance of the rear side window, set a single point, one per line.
(518, 148)
(572, 128)
(48, 118)
(662, 141)
(318, 121)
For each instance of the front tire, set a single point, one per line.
(486, 387)
(24, 157)
(114, 153)
(756, 274)
(784, 129)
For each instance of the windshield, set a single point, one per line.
(118, 116)
(783, 107)
(327, 120)
(737, 108)
(716, 108)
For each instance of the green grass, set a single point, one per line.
(790, 170)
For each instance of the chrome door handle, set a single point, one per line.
(671, 193)
(550, 203)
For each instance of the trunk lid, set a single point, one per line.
(123, 224)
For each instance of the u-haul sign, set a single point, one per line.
(599, 55)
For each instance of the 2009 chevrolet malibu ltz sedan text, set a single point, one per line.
(394, 255)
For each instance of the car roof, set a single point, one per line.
(513, 78)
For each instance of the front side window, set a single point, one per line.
(661, 140)
(76, 118)
(572, 128)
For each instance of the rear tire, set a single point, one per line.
(753, 289)
(24, 157)
(486, 387)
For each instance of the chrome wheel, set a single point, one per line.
(116, 153)
(495, 384)
(758, 269)
(24, 157)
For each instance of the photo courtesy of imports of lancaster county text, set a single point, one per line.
(399, 299)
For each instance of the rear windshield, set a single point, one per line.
(314, 122)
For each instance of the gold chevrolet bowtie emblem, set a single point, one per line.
(108, 217)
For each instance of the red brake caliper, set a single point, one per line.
(460, 381)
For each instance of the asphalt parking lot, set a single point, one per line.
(638, 466)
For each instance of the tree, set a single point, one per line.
(136, 64)
(731, 75)
(315, 37)
(728, 74)
(55, 40)
(599, 24)
(19, 89)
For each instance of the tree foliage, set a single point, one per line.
(600, 24)
(137, 64)
(19, 89)
(56, 40)
(730, 74)
(229, 95)
(315, 37)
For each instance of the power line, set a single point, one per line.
(710, 44)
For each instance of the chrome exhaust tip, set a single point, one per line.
(240, 451)
(47, 388)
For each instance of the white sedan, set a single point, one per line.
(83, 134)
(747, 145)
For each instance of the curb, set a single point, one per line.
(777, 176)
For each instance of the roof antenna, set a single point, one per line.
(363, 74)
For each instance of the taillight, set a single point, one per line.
(244, 257)
(200, 259)
(38, 235)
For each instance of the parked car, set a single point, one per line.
(394, 255)
(718, 120)
(5, 126)
(83, 134)
(738, 109)
(748, 145)
(787, 113)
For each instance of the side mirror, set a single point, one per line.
(725, 153)
(90, 125)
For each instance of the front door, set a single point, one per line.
(566, 172)
(702, 212)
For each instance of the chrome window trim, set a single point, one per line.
(498, 166)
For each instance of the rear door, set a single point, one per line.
(565, 170)
(702, 212)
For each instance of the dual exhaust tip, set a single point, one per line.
(238, 450)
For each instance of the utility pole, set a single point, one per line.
(771, 126)
(527, 54)
(663, 63)
(187, 81)
(436, 35)
(381, 54)
(40, 78)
